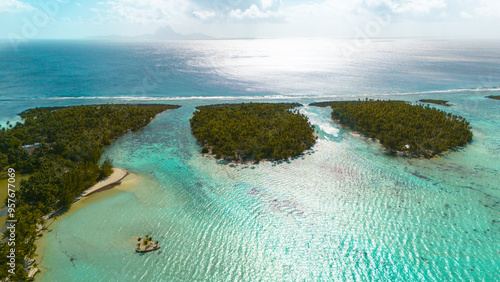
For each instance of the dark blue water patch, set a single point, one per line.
(175, 69)
(87, 69)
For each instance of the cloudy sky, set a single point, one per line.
(251, 18)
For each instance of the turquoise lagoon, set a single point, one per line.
(344, 211)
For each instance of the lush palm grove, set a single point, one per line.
(437, 102)
(66, 161)
(413, 130)
(252, 132)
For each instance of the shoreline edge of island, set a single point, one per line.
(107, 183)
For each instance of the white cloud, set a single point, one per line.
(14, 6)
(466, 15)
(443, 15)
(177, 11)
(270, 18)
(144, 11)
(488, 8)
(254, 13)
(266, 4)
(411, 6)
(422, 6)
(204, 15)
(326, 8)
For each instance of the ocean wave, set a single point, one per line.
(494, 89)
(134, 98)
(271, 97)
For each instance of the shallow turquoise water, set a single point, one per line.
(344, 211)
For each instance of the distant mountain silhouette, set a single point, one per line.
(162, 33)
(167, 33)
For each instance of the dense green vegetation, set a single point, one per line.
(252, 132)
(413, 130)
(437, 102)
(494, 97)
(65, 163)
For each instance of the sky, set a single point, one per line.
(70, 19)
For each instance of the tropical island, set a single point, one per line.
(146, 245)
(410, 130)
(495, 97)
(253, 131)
(436, 102)
(60, 148)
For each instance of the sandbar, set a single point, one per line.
(105, 184)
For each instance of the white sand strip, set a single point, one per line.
(115, 178)
(117, 175)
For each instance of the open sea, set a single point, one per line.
(344, 211)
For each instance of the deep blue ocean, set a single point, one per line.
(343, 212)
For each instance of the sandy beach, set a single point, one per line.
(120, 179)
(111, 181)
(107, 183)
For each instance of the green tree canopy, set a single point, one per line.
(62, 148)
(413, 130)
(252, 132)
